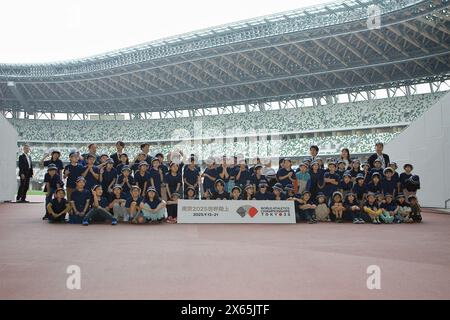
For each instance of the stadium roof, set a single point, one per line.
(315, 51)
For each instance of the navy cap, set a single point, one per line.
(278, 186)
(388, 195)
(248, 186)
(73, 153)
(125, 168)
(159, 154)
(337, 193)
(371, 194)
(388, 169)
(56, 151)
(400, 195)
(408, 164)
(258, 166)
(263, 183)
(303, 164)
(60, 189)
(376, 173)
(176, 194)
(117, 186)
(359, 176)
(219, 181)
(414, 179)
(289, 187)
(237, 187)
(320, 195)
(96, 187)
(142, 163)
(347, 174)
(151, 188)
(349, 194)
(109, 160)
(90, 156)
(135, 187)
(52, 166)
(81, 178)
(190, 188)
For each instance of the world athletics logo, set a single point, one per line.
(244, 210)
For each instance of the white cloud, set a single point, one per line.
(53, 30)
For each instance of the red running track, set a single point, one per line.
(322, 261)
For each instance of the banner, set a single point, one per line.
(235, 211)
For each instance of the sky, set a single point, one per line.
(56, 30)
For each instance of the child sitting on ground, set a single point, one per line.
(322, 211)
(416, 215)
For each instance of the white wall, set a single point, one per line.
(8, 153)
(426, 144)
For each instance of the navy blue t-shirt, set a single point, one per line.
(173, 181)
(125, 187)
(80, 198)
(229, 170)
(108, 177)
(359, 190)
(264, 196)
(245, 177)
(102, 202)
(371, 187)
(58, 206)
(54, 181)
(345, 186)
(220, 196)
(140, 180)
(74, 173)
(90, 180)
(208, 184)
(389, 186)
(403, 178)
(329, 187)
(282, 172)
(58, 163)
(130, 200)
(156, 176)
(152, 204)
(191, 176)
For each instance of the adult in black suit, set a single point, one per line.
(384, 158)
(25, 173)
(116, 156)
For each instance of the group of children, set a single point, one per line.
(113, 188)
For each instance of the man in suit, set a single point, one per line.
(25, 173)
(116, 156)
(379, 155)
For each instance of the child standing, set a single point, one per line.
(125, 180)
(346, 184)
(172, 207)
(52, 182)
(71, 172)
(79, 202)
(303, 178)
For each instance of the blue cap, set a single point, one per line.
(52, 166)
(81, 178)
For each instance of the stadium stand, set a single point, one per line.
(361, 114)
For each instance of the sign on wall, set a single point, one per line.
(239, 211)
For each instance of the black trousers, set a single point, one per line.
(23, 188)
